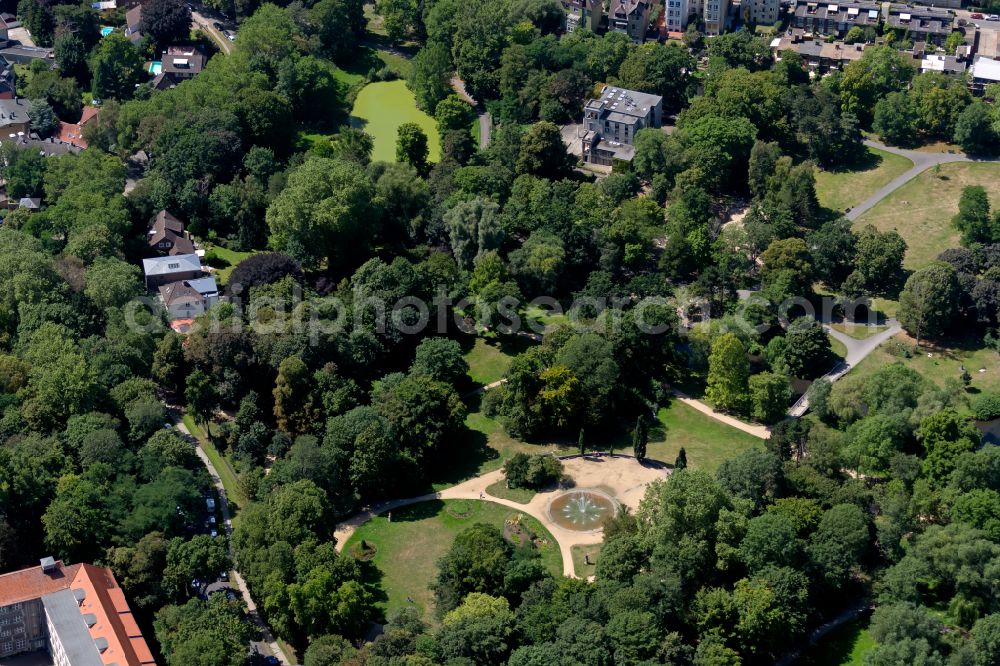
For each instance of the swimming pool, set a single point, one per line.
(155, 67)
(106, 30)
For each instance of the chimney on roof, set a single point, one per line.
(102, 644)
(48, 564)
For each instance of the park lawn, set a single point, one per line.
(490, 357)
(921, 211)
(844, 646)
(706, 441)
(840, 190)
(500, 490)
(222, 465)
(837, 346)
(580, 567)
(381, 108)
(546, 317)
(492, 447)
(944, 361)
(858, 331)
(408, 548)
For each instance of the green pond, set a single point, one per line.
(381, 108)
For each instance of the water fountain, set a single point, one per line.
(582, 510)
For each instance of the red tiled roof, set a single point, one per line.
(33, 583)
(115, 622)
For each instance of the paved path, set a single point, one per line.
(204, 24)
(485, 121)
(921, 162)
(627, 477)
(227, 522)
(857, 350)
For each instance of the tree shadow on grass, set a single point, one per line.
(417, 512)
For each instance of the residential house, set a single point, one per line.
(14, 119)
(983, 72)
(818, 55)
(72, 133)
(945, 64)
(828, 17)
(75, 615)
(630, 17)
(164, 270)
(760, 12)
(166, 234)
(583, 13)
(187, 299)
(30, 203)
(923, 24)
(182, 62)
(25, 55)
(133, 19)
(611, 121)
(713, 14)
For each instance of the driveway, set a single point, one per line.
(204, 24)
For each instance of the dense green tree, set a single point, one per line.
(928, 302)
(896, 119)
(728, 374)
(542, 152)
(974, 219)
(430, 76)
(117, 68)
(411, 147)
(770, 396)
(165, 21)
(326, 207)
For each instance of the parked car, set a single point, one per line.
(224, 576)
(977, 15)
(993, 17)
(271, 660)
(213, 533)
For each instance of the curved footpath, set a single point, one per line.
(921, 162)
(857, 350)
(627, 476)
(475, 489)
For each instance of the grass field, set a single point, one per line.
(943, 362)
(408, 548)
(381, 108)
(858, 331)
(222, 465)
(844, 646)
(922, 209)
(837, 346)
(520, 495)
(580, 566)
(489, 358)
(706, 441)
(840, 190)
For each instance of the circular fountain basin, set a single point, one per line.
(582, 510)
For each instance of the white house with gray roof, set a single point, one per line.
(164, 270)
(611, 121)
